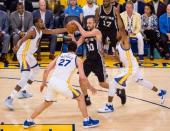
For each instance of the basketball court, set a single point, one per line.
(142, 111)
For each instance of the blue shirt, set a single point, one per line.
(73, 11)
(164, 23)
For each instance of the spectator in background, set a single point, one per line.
(3, 8)
(47, 17)
(150, 28)
(107, 23)
(164, 26)
(74, 10)
(89, 8)
(20, 21)
(58, 11)
(138, 6)
(159, 7)
(4, 36)
(12, 4)
(95, 2)
(132, 22)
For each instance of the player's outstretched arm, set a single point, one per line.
(84, 83)
(119, 20)
(79, 42)
(46, 73)
(29, 35)
(124, 39)
(86, 33)
(54, 31)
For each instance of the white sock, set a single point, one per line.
(86, 119)
(13, 94)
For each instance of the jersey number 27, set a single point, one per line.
(64, 62)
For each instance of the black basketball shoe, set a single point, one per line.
(122, 94)
(87, 100)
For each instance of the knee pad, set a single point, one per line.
(24, 78)
(112, 88)
(34, 72)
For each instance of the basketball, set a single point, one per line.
(71, 27)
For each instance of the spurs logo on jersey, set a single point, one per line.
(107, 20)
(93, 48)
(30, 46)
(65, 65)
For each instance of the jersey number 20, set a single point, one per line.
(64, 62)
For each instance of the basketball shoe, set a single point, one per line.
(122, 94)
(28, 124)
(162, 95)
(106, 109)
(8, 103)
(87, 100)
(24, 94)
(90, 123)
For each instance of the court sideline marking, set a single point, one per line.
(153, 103)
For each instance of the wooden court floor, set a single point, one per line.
(142, 111)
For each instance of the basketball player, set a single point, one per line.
(59, 83)
(131, 70)
(94, 60)
(28, 64)
(107, 24)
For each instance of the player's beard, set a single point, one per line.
(90, 28)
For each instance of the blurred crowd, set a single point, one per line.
(146, 22)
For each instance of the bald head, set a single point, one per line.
(42, 5)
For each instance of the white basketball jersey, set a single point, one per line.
(65, 66)
(127, 57)
(31, 45)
